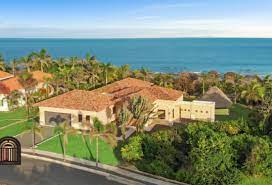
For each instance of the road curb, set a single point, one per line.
(124, 173)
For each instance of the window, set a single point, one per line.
(196, 111)
(80, 118)
(173, 113)
(114, 110)
(207, 112)
(161, 114)
(185, 109)
(188, 110)
(201, 111)
(88, 118)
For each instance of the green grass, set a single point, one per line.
(77, 148)
(15, 129)
(255, 181)
(237, 111)
(222, 112)
(19, 113)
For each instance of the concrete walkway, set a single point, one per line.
(25, 138)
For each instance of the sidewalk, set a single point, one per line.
(128, 176)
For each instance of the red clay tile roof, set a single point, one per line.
(78, 100)
(101, 98)
(41, 76)
(4, 89)
(13, 83)
(4, 75)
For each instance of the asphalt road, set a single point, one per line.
(36, 172)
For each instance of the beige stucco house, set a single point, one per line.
(77, 107)
(9, 83)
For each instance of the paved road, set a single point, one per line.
(35, 172)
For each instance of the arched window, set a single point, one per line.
(10, 151)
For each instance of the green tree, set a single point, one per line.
(64, 130)
(35, 130)
(142, 111)
(105, 132)
(28, 83)
(122, 119)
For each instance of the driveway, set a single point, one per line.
(36, 172)
(26, 138)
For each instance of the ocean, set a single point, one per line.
(243, 55)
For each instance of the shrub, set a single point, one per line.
(133, 150)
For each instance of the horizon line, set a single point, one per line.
(116, 38)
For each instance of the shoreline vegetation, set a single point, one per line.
(234, 149)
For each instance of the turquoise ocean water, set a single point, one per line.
(161, 55)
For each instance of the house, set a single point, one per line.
(9, 83)
(5, 75)
(222, 101)
(78, 106)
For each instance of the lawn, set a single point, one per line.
(237, 111)
(7, 118)
(19, 113)
(255, 181)
(78, 148)
(15, 129)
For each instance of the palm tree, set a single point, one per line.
(64, 130)
(14, 65)
(204, 79)
(105, 132)
(123, 71)
(106, 67)
(13, 99)
(35, 130)
(253, 93)
(145, 72)
(44, 59)
(27, 62)
(28, 83)
(93, 72)
(2, 63)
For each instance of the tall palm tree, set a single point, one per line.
(28, 83)
(26, 61)
(2, 63)
(64, 130)
(41, 60)
(14, 65)
(204, 79)
(35, 130)
(106, 67)
(93, 72)
(105, 132)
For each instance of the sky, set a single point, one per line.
(135, 18)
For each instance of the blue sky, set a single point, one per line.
(135, 18)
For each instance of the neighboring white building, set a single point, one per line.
(9, 83)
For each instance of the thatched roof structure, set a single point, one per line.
(216, 95)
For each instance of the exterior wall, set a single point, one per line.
(177, 110)
(105, 116)
(3, 103)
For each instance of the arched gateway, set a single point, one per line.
(10, 151)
